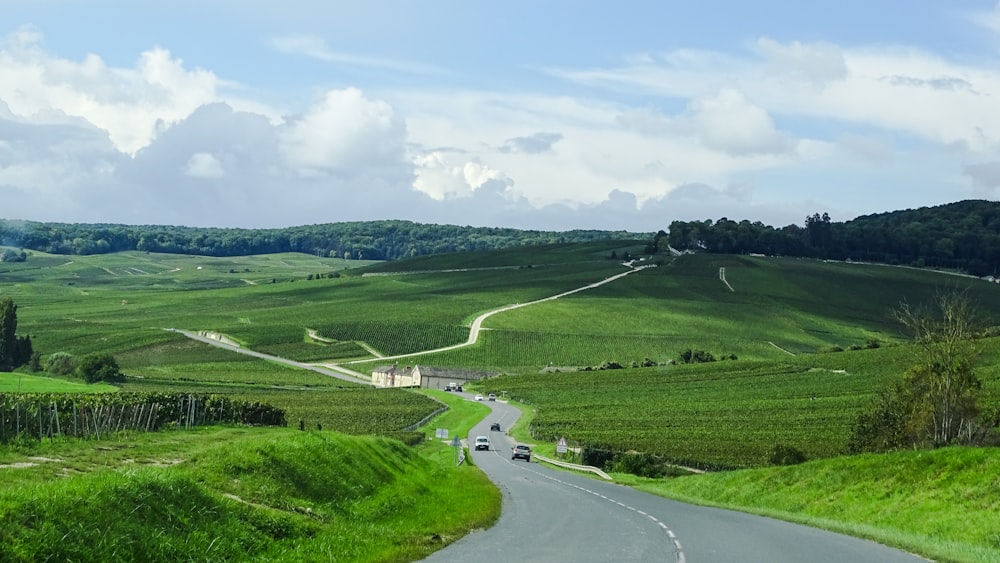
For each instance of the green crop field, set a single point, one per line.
(777, 316)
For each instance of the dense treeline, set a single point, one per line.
(368, 240)
(963, 236)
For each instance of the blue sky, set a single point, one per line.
(548, 115)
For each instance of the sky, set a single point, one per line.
(541, 114)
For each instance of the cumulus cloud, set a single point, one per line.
(342, 133)
(130, 104)
(448, 175)
(204, 165)
(532, 144)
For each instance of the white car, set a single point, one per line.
(479, 397)
(482, 443)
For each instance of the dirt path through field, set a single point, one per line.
(477, 324)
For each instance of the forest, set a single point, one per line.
(362, 240)
(962, 236)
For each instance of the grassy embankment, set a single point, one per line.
(943, 504)
(241, 493)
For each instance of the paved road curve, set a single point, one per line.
(555, 516)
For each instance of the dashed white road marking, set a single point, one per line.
(678, 550)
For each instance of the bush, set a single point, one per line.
(99, 367)
(785, 455)
(690, 356)
(60, 363)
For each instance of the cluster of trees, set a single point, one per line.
(690, 356)
(91, 368)
(964, 236)
(15, 351)
(369, 240)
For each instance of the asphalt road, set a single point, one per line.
(553, 516)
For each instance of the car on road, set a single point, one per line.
(482, 443)
(521, 451)
(495, 427)
(479, 397)
(492, 397)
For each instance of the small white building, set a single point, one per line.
(424, 376)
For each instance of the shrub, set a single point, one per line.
(99, 367)
(781, 454)
(60, 363)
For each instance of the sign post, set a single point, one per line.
(561, 446)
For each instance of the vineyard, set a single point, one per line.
(90, 415)
(715, 415)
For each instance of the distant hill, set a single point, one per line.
(962, 236)
(368, 240)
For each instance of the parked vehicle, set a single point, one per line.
(521, 451)
(482, 443)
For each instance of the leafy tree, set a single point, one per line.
(99, 367)
(60, 363)
(8, 330)
(935, 402)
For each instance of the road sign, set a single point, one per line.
(561, 446)
(456, 442)
(441, 433)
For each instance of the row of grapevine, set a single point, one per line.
(47, 415)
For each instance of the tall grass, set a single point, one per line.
(280, 494)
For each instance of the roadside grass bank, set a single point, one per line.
(942, 504)
(460, 417)
(237, 494)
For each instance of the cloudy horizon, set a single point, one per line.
(554, 116)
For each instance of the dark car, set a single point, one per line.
(521, 451)
(495, 427)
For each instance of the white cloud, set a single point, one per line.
(816, 63)
(343, 132)
(315, 47)
(985, 174)
(532, 144)
(130, 104)
(204, 165)
(876, 151)
(446, 175)
(730, 123)
(989, 19)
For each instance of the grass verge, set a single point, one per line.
(943, 504)
(237, 494)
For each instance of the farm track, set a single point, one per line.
(338, 369)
